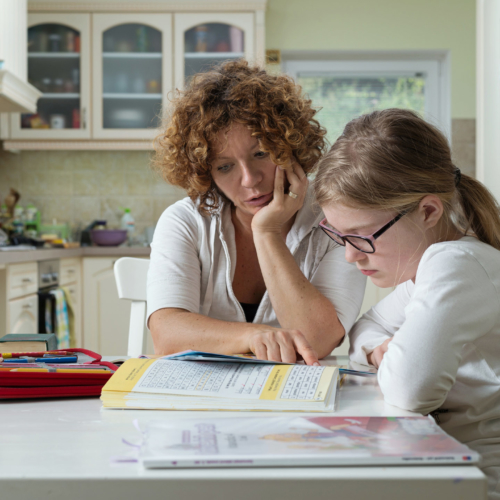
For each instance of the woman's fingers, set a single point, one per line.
(279, 185)
(303, 347)
(287, 348)
(260, 350)
(273, 349)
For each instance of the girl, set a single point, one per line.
(408, 218)
(241, 265)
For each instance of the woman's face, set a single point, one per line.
(397, 251)
(242, 171)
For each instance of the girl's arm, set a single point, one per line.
(297, 302)
(453, 304)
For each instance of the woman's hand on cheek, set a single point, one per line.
(271, 218)
(282, 345)
(377, 355)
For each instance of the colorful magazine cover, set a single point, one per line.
(300, 441)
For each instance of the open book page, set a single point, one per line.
(300, 441)
(226, 380)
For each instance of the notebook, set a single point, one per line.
(300, 441)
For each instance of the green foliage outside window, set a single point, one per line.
(342, 99)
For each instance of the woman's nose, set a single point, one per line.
(352, 254)
(250, 176)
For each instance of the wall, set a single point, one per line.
(384, 25)
(80, 186)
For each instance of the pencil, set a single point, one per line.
(37, 354)
(60, 370)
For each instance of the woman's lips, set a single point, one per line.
(261, 200)
(368, 272)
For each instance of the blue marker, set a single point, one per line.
(66, 359)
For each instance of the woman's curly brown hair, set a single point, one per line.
(271, 106)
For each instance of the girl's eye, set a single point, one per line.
(224, 168)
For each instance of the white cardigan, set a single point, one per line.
(193, 260)
(445, 355)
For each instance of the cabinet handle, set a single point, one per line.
(70, 271)
(27, 306)
(84, 117)
(27, 280)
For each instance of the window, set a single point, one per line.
(346, 89)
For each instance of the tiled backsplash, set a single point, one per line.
(80, 186)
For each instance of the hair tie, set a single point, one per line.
(458, 176)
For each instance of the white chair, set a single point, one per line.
(131, 277)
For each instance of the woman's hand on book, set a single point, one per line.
(376, 356)
(282, 345)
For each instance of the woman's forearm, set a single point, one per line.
(175, 330)
(297, 303)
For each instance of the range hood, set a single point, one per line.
(16, 95)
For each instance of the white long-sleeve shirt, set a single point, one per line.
(445, 354)
(193, 262)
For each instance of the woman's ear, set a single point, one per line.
(431, 210)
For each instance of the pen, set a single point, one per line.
(68, 359)
(59, 370)
(36, 354)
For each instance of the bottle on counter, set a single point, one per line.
(128, 223)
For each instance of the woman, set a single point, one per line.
(434, 233)
(239, 266)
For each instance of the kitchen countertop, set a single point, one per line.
(16, 256)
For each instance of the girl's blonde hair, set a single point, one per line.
(391, 159)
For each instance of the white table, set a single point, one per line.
(63, 449)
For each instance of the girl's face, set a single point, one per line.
(243, 172)
(397, 251)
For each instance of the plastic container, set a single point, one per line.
(108, 237)
(128, 223)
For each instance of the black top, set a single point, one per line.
(250, 311)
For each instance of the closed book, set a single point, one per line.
(28, 342)
(299, 441)
(204, 385)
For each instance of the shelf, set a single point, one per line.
(54, 55)
(132, 55)
(60, 95)
(213, 55)
(131, 96)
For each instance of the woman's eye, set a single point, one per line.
(260, 154)
(224, 168)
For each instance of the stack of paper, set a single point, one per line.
(202, 385)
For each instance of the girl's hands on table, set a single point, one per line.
(276, 344)
(376, 356)
(271, 218)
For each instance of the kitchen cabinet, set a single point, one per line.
(205, 39)
(18, 298)
(105, 317)
(128, 60)
(132, 73)
(59, 66)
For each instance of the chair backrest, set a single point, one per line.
(131, 278)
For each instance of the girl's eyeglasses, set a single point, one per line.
(362, 243)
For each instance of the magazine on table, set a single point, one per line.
(300, 441)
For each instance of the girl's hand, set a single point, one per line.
(282, 345)
(283, 207)
(376, 356)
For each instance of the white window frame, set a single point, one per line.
(434, 65)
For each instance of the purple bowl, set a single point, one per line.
(108, 237)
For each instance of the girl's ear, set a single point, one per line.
(431, 210)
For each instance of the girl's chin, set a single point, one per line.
(382, 281)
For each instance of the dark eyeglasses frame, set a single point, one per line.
(369, 239)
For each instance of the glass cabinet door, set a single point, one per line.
(58, 56)
(132, 80)
(204, 40)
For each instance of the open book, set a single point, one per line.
(204, 385)
(300, 441)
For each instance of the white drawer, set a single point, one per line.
(73, 291)
(69, 271)
(23, 315)
(22, 279)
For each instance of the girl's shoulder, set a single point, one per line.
(462, 258)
